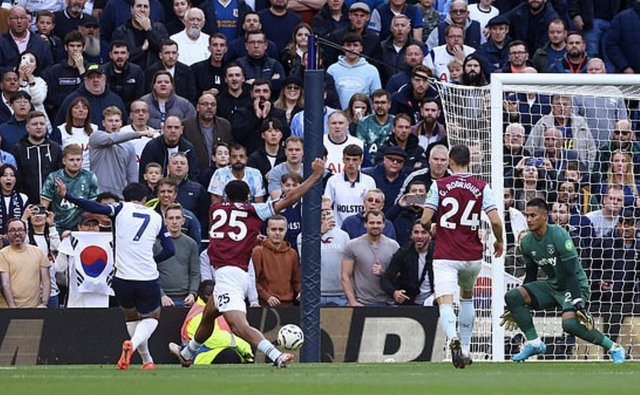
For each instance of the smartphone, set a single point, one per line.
(416, 200)
(40, 209)
(533, 162)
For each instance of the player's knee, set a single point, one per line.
(571, 325)
(513, 298)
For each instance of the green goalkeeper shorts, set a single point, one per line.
(543, 296)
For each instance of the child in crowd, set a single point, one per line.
(152, 174)
(219, 159)
(455, 71)
(45, 23)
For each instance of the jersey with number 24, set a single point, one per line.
(234, 231)
(458, 200)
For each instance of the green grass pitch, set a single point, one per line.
(549, 378)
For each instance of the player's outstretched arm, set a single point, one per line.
(88, 205)
(496, 226)
(168, 248)
(291, 198)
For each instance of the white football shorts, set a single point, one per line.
(451, 274)
(232, 284)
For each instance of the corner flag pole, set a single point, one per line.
(310, 254)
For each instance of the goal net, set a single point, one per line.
(562, 138)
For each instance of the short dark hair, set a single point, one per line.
(107, 195)
(74, 36)
(135, 192)
(34, 114)
(380, 93)
(374, 212)
(574, 33)
(296, 177)
(237, 191)
(217, 35)
(277, 217)
(538, 203)
(205, 289)
(19, 95)
(261, 81)
(515, 43)
(271, 123)
(460, 154)
(167, 42)
(427, 99)
(352, 150)
(352, 38)
(119, 43)
(238, 147)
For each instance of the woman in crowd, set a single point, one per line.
(29, 81)
(292, 54)
(531, 182)
(620, 172)
(163, 101)
(359, 107)
(13, 204)
(77, 128)
(291, 98)
(177, 22)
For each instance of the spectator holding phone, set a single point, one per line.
(530, 181)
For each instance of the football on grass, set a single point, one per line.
(290, 337)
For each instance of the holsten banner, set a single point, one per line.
(94, 336)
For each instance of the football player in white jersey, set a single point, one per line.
(136, 282)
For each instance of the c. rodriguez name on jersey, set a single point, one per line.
(462, 185)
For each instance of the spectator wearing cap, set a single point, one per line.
(332, 16)
(458, 15)
(95, 90)
(389, 174)
(117, 12)
(70, 18)
(383, 14)
(96, 50)
(125, 79)
(278, 23)
(206, 129)
(402, 137)
(359, 15)
(141, 34)
(494, 52)
(483, 12)
(16, 127)
(65, 77)
(19, 39)
(352, 73)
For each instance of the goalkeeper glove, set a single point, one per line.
(583, 315)
(508, 321)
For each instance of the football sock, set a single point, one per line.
(131, 327)
(535, 342)
(269, 349)
(521, 313)
(143, 331)
(573, 327)
(143, 350)
(191, 348)
(467, 314)
(448, 320)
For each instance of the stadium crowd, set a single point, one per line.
(187, 95)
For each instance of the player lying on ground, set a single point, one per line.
(457, 257)
(550, 247)
(235, 225)
(136, 282)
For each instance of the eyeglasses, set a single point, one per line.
(293, 87)
(19, 18)
(372, 200)
(16, 231)
(255, 42)
(21, 101)
(458, 12)
(395, 160)
(622, 132)
(174, 154)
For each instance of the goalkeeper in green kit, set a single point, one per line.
(550, 248)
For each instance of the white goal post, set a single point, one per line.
(476, 116)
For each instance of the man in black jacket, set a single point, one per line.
(409, 277)
(36, 156)
(124, 78)
(183, 80)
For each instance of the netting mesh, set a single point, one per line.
(566, 144)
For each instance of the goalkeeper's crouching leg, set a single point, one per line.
(520, 313)
(574, 327)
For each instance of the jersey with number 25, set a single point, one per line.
(459, 199)
(135, 229)
(233, 232)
